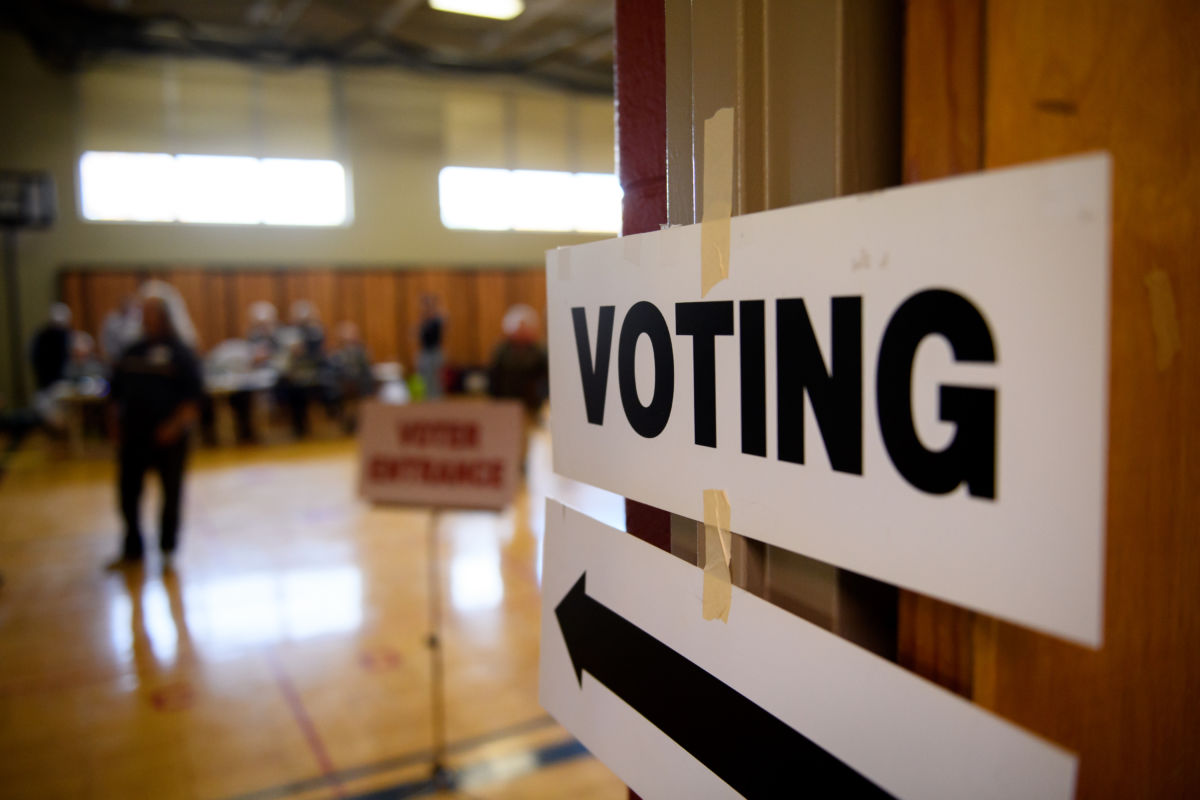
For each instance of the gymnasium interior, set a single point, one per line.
(286, 651)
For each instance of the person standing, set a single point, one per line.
(429, 347)
(156, 393)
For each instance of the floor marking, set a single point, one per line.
(173, 697)
(482, 773)
(296, 705)
(398, 762)
(380, 659)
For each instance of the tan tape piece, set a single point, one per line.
(718, 550)
(1167, 341)
(718, 199)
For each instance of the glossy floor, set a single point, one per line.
(286, 654)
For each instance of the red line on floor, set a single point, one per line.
(300, 714)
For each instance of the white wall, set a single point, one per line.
(394, 131)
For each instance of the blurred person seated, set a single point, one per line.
(304, 325)
(243, 366)
(156, 392)
(301, 377)
(393, 389)
(519, 369)
(350, 375)
(84, 364)
(87, 376)
(52, 352)
(120, 328)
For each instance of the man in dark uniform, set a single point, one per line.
(156, 392)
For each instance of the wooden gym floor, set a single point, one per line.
(285, 656)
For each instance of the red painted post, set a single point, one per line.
(641, 101)
(641, 105)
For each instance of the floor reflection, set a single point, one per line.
(268, 607)
(148, 624)
(475, 580)
(226, 614)
(291, 644)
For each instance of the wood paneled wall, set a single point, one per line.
(991, 84)
(385, 303)
(942, 130)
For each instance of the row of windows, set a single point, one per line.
(158, 187)
(473, 198)
(239, 190)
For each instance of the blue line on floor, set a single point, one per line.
(478, 773)
(397, 762)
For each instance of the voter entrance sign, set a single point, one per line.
(450, 454)
(911, 384)
(768, 705)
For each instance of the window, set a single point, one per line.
(474, 198)
(238, 190)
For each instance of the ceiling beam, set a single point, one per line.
(395, 14)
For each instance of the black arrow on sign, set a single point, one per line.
(749, 748)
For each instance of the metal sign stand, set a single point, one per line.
(440, 776)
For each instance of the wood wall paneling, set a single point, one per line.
(104, 292)
(943, 84)
(384, 303)
(380, 326)
(528, 286)
(227, 320)
(462, 345)
(1064, 78)
(350, 298)
(943, 88)
(253, 287)
(72, 291)
(405, 321)
(316, 286)
(492, 298)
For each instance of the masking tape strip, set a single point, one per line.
(1167, 341)
(718, 550)
(718, 199)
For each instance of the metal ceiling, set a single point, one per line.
(563, 42)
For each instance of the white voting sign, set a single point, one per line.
(911, 384)
(767, 705)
